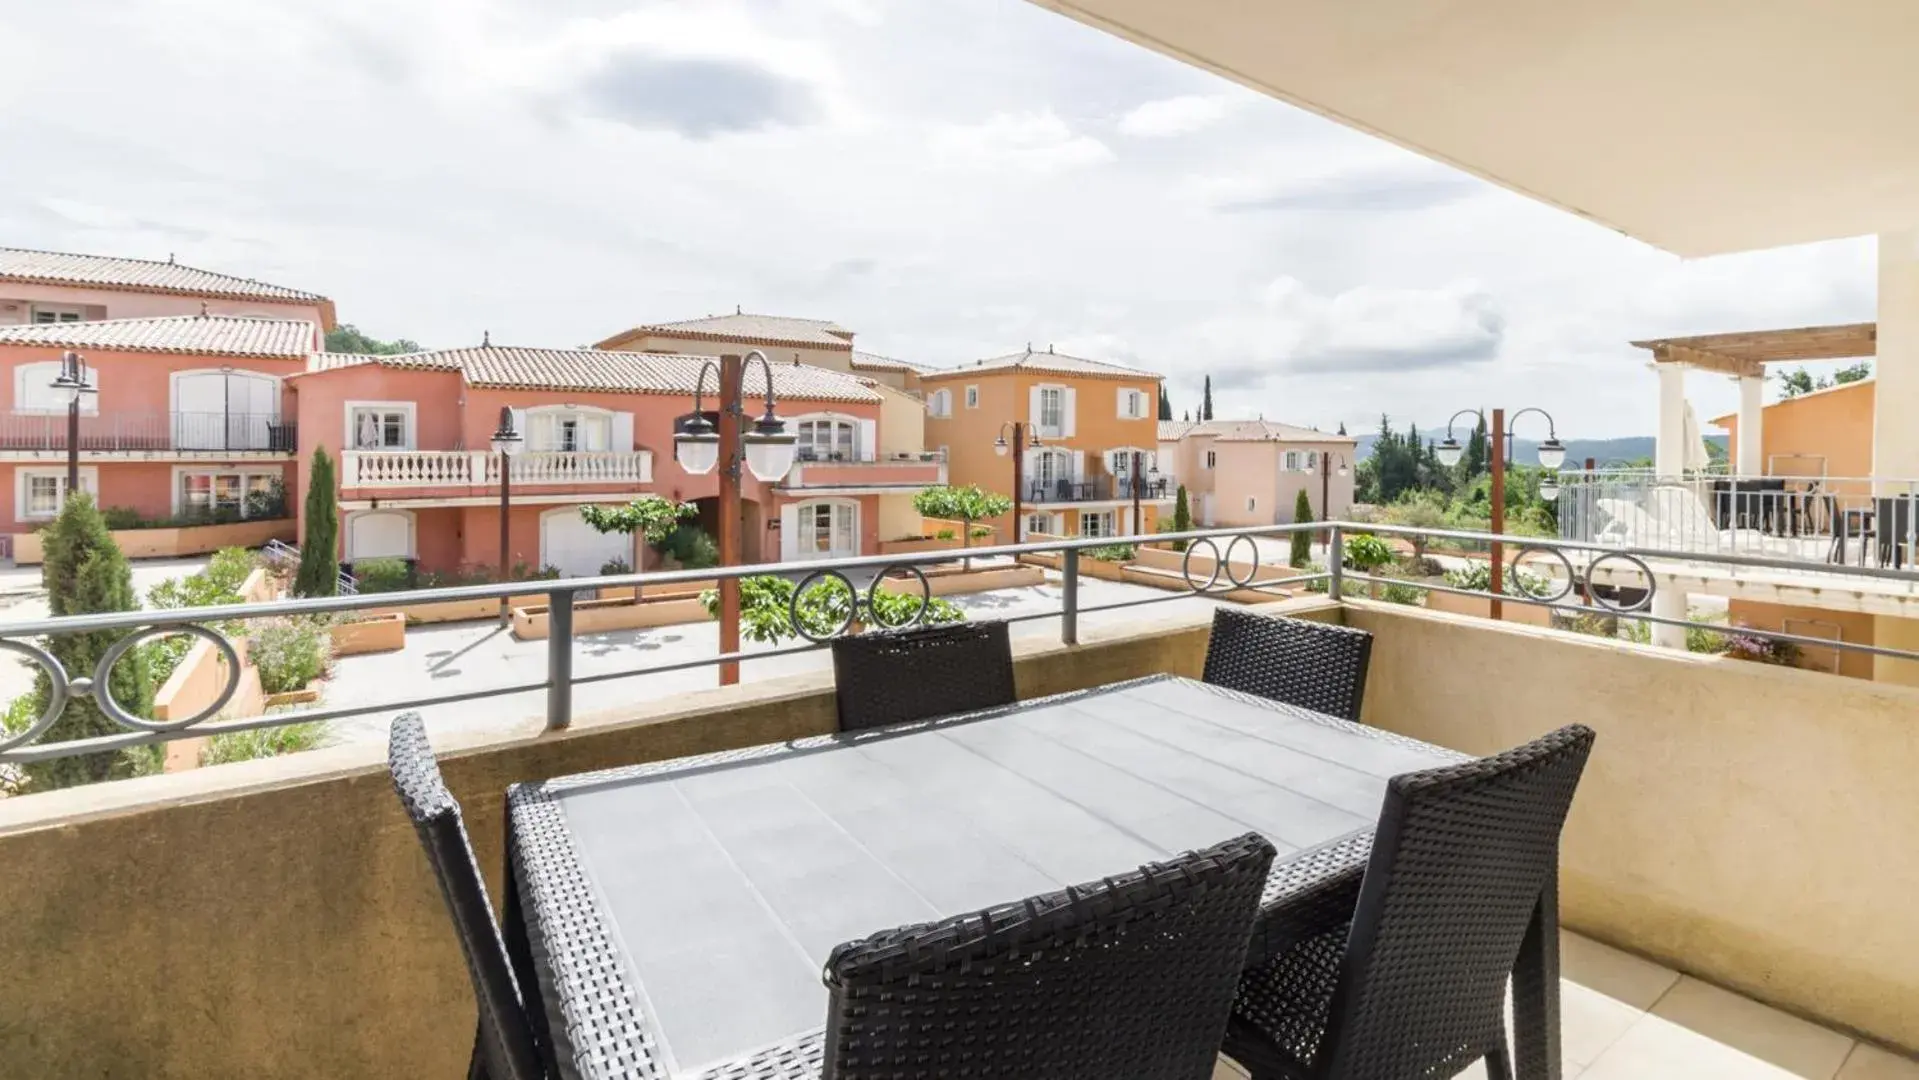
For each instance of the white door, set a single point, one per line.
(224, 410)
(826, 531)
(577, 549)
(383, 534)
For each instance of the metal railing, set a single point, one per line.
(1097, 489)
(1584, 578)
(1863, 521)
(284, 557)
(149, 431)
(820, 455)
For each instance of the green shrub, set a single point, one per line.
(218, 583)
(270, 503)
(981, 532)
(383, 575)
(1302, 542)
(945, 534)
(290, 652)
(613, 567)
(1112, 553)
(319, 573)
(1182, 516)
(262, 743)
(121, 518)
(1699, 639)
(1398, 591)
(766, 603)
(1366, 553)
(1478, 576)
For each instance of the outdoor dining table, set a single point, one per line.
(672, 919)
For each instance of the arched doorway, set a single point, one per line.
(752, 526)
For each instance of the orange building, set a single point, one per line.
(1825, 433)
(1090, 416)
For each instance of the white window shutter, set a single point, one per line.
(1124, 411)
(622, 431)
(1068, 411)
(519, 425)
(1079, 461)
(869, 434)
(1033, 406)
(789, 531)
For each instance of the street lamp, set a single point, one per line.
(73, 386)
(1325, 479)
(1552, 454)
(1137, 478)
(507, 441)
(767, 451)
(1024, 435)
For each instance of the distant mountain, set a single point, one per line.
(1602, 451)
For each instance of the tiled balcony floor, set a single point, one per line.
(1624, 1018)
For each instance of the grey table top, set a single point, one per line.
(722, 883)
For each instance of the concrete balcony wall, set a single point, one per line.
(1750, 825)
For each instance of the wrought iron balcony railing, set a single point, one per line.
(1099, 489)
(149, 431)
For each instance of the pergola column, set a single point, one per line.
(1669, 448)
(1750, 438)
(1895, 433)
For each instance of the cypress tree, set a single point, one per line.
(1302, 552)
(1165, 403)
(1182, 517)
(1206, 400)
(319, 573)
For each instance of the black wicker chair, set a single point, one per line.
(896, 676)
(1415, 984)
(1316, 666)
(1130, 977)
(504, 1047)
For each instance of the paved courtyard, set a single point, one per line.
(470, 656)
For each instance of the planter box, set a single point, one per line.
(1482, 606)
(307, 696)
(193, 686)
(443, 611)
(377, 633)
(1203, 561)
(957, 582)
(925, 543)
(598, 616)
(1088, 567)
(28, 549)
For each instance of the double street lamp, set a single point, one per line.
(507, 441)
(767, 451)
(1552, 454)
(1024, 435)
(73, 385)
(1326, 479)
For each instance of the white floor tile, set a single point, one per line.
(1871, 1063)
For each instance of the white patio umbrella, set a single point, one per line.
(1697, 458)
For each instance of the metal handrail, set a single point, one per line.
(1230, 573)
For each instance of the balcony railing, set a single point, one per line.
(819, 468)
(1861, 521)
(1098, 489)
(478, 468)
(819, 455)
(149, 431)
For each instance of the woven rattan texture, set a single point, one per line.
(898, 676)
(1314, 665)
(1416, 986)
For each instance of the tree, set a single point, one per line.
(347, 338)
(1182, 516)
(1187, 416)
(1302, 552)
(1852, 373)
(319, 573)
(963, 504)
(1799, 381)
(1165, 403)
(1477, 459)
(654, 517)
(766, 608)
(85, 573)
(1206, 400)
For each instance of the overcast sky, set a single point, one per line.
(950, 178)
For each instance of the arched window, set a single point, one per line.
(33, 390)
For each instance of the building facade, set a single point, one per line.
(1250, 472)
(1091, 418)
(419, 481)
(813, 342)
(40, 287)
(193, 416)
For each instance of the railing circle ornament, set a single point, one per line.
(56, 693)
(1252, 572)
(807, 582)
(873, 591)
(103, 682)
(1186, 565)
(1571, 577)
(1645, 601)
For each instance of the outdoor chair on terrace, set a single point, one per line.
(1415, 984)
(897, 676)
(1318, 666)
(504, 1046)
(1129, 977)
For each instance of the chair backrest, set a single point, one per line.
(1460, 859)
(1318, 666)
(505, 1043)
(1129, 977)
(896, 676)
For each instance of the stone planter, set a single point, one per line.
(28, 549)
(599, 616)
(376, 633)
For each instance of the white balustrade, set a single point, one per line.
(461, 468)
(405, 468)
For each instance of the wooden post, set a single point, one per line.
(731, 461)
(1325, 488)
(1019, 471)
(1139, 521)
(506, 495)
(1499, 510)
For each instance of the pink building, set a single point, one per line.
(192, 414)
(39, 287)
(418, 479)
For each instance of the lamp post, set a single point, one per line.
(1552, 454)
(1326, 483)
(1136, 478)
(507, 442)
(1021, 440)
(72, 384)
(767, 450)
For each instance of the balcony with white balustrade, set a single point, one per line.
(472, 477)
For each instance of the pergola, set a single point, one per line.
(1744, 356)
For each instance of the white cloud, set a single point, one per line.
(1034, 141)
(1181, 115)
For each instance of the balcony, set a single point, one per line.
(1742, 830)
(147, 433)
(1102, 488)
(853, 472)
(423, 472)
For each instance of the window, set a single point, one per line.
(1212, 458)
(44, 495)
(940, 404)
(1100, 524)
(568, 431)
(972, 397)
(1132, 404)
(39, 493)
(33, 390)
(1293, 461)
(1052, 409)
(828, 440)
(384, 426)
(217, 493)
(826, 529)
(1051, 468)
(1039, 523)
(1251, 504)
(44, 314)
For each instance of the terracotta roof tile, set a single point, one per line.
(605, 370)
(1048, 361)
(143, 275)
(866, 361)
(746, 328)
(198, 335)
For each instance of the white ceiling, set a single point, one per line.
(1699, 126)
